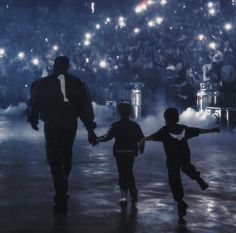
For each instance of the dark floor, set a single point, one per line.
(26, 190)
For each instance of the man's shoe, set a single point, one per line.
(182, 207)
(134, 197)
(182, 222)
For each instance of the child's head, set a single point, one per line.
(171, 115)
(125, 110)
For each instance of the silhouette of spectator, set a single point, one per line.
(174, 137)
(127, 135)
(59, 99)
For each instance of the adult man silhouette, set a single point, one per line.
(58, 100)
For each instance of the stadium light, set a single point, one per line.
(103, 64)
(98, 26)
(136, 30)
(159, 20)
(55, 48)
(213, 45)
(88, 36)
(201, 37)
(87, 43)
(151, 24)
(228, 26)
(35, 61)
(21, 55)
(2, 52)
(163, 2)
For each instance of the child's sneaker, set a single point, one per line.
(202, 184)
(123, 202)
(182, 222)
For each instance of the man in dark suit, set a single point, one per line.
(58, 100)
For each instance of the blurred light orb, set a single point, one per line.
(88, 36)
(159, 20)
(210, 4)
(87, 43)
(55, 48)
(213, 45)
(21, 55)
(151, 24)
(136, 30)
(98, 26)
(201, 37)
(103, 64)
(228, 26)
(212, 11)
(163, 2)
(35, 61)
(2, 52)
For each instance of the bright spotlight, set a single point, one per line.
(35, 61)
(122, 24)
(228, 26)
(121, 18)
(98, 26)
(87, 60)
(103, 64)
(108, 20)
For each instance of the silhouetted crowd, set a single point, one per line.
(167, 54)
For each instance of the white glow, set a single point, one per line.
(93, 7)
(87, 43)
(150, 2)
(121, 18)
(46, 39)
(103, 64)
(228, 26)
(140, 8)
(212, 11)
(21, 55)
(151, 24)
(213, 45)
(87, 60)
(26, 85)
(122, 24)
(136, 30)
(35, 61)
(159, 20)
(55, 47)
(163, 2)
(108, 20)
(2, 52)
(210, 4)
(98, 26)
(201, 37)
(88, 36)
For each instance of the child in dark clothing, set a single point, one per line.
(174, 138)
(127, 136)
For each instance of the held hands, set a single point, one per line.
(142, 145)
(34, 126)
(92, 138)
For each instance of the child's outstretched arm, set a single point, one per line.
(108, 136)
(212, 130)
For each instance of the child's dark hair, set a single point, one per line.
(125, 110)
(171, 115)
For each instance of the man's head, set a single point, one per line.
(125, 110)
(61, 65)
(171, 115)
